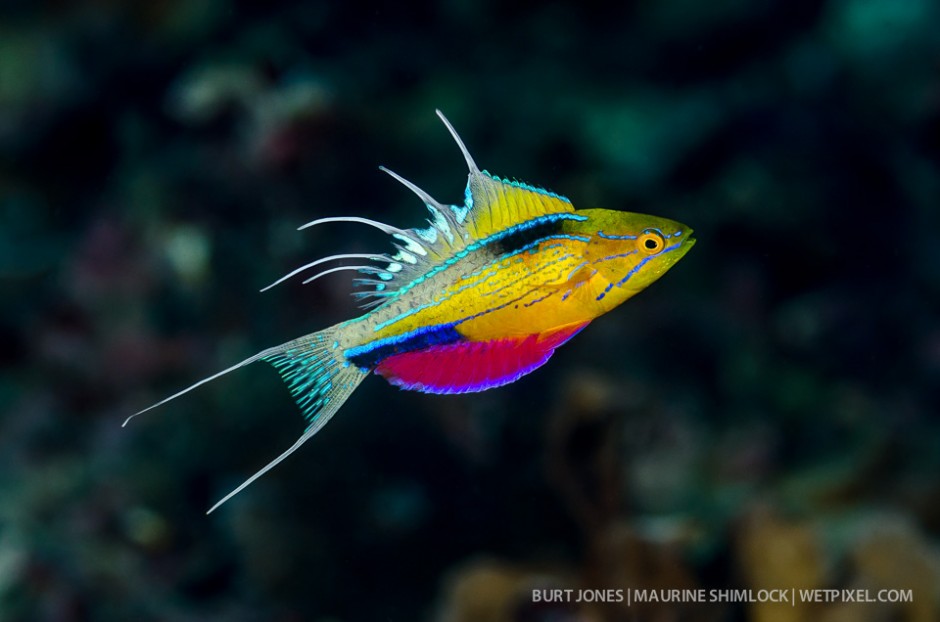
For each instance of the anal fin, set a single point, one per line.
(470, 366)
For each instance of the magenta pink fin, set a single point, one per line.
(469, 366)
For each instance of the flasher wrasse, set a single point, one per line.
(476, 300)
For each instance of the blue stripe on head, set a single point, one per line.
(610, 236)
(637, 267)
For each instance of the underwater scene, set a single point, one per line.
(638, 321)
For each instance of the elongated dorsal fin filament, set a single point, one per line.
(424, 196)
(374, 257)
(381, 226)
(339, 269)
(463, 148)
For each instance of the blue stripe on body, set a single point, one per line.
(368, 355)
(535, 222)
(450, 261)
(496, 308)
(532, 302)
(526, 276)
(464, 253)
(468, 286)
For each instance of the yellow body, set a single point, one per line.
(571, 277)
(478, 299)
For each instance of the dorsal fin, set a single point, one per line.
(491, 205)
(496, 204)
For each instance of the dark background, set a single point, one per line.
(763, 417)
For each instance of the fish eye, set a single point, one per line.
(651, 241)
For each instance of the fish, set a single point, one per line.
(481, 296)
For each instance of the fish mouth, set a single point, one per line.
(685, 246)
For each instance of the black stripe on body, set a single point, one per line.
(513, 241)
(369, 355)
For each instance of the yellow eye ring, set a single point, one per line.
(650, 242)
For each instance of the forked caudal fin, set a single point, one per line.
(318, 376)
